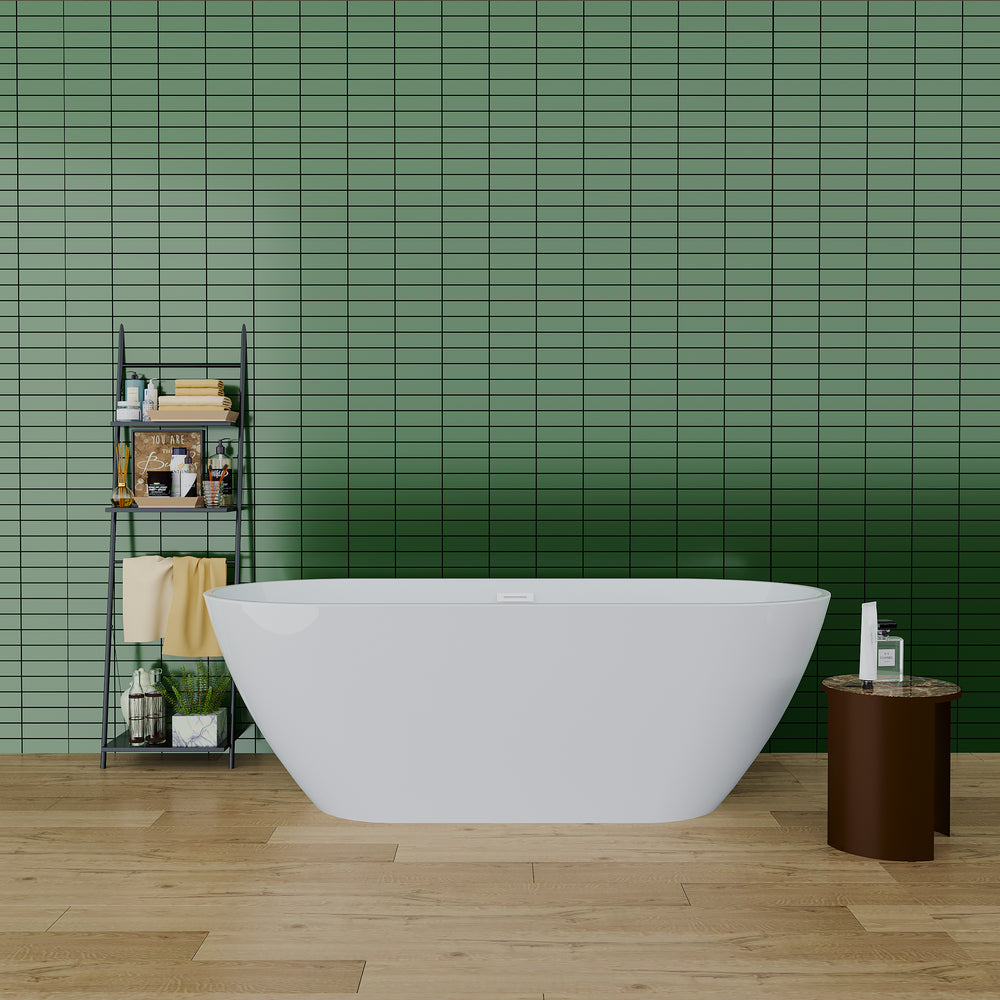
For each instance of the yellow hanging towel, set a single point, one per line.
(189, 629)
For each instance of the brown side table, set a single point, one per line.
(889, 773)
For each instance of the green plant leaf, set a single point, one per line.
(200, 691)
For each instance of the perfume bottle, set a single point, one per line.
(890, 653)
(136, 710)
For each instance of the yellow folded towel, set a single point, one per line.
(147, 590)
(198, 383)
(197, 390)
(165, 401)
(189, 629)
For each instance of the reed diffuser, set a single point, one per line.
(122, 496)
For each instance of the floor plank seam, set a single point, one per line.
(61, 915)
(197, 951)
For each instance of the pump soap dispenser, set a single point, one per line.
(218, 489)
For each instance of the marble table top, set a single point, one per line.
(909, 687)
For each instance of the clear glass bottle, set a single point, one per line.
(890, 653)
(137, 710)
(156, 723)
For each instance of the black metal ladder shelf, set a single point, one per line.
(119, 743)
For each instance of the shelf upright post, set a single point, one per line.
(238, 500)
(109, 624)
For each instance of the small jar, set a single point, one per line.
(158, 483)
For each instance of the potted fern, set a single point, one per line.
(197, 698)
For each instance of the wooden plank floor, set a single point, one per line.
(174, 877)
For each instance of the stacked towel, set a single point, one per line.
(182, 384)
(206, 393)
(197, 392)
(197, 400)
(223, 402)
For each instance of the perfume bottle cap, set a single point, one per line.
(885, 624)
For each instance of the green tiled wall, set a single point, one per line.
(556, 288)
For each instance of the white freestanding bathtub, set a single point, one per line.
(506, 701)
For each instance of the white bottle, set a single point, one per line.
(178, 459)
(868, 670)
(150, 401)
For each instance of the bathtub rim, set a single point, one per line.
(229, 593)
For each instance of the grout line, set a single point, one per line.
(20, 445)
(489, 299)
(347, 275)
(913, 328)
(725, 271)
(441, 334)
(66, 376)
(677, 294)
(959, 631)
(631, 214)
(584, 392)
(302, 428)
(816, 658)
(395, 315)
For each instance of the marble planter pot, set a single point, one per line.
(199, 730)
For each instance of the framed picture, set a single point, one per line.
(151, 451)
